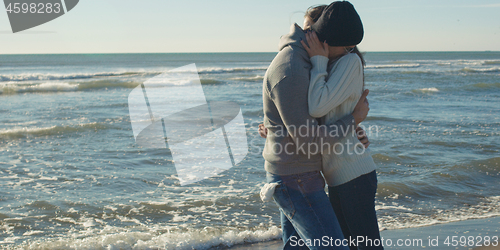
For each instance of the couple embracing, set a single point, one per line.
(314, 100)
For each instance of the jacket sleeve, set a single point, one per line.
(324, 95)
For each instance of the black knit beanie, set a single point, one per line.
(339, 25)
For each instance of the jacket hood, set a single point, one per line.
(293, 38)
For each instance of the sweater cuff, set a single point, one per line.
(319, 63)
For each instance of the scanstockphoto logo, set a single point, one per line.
(26, 14)
(171, 111)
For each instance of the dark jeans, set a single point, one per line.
(354, 205)
(307, 216)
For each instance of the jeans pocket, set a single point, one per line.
(282, 198)
(312, 183)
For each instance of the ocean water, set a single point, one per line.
(72, 176)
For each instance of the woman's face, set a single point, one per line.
(308, 22)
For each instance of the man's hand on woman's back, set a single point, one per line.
(262, 131)
(362, 137)
(361, 110)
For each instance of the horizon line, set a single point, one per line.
(236, 52)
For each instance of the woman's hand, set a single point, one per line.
(315, 48)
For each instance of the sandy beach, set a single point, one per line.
(430, 237)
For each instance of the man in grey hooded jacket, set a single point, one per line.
(293, 148)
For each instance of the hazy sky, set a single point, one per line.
(113, 26)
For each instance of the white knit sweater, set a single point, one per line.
(333, 96)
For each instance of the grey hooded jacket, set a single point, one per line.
(295, 140)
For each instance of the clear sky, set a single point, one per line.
(125, 26)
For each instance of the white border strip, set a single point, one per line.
(64, 6)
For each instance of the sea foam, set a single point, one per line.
(117, 238)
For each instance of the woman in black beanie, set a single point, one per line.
(351, 177)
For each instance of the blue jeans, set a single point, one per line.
(307, 217)
(354, 205)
